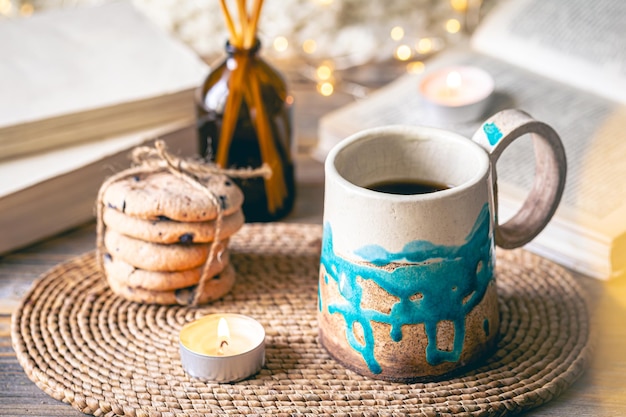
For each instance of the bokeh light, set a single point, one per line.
(397, 33)
(403, 52)
(281, 44)
(453, 26)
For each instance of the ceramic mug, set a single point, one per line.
(407, 287)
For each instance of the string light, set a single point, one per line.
(415, 67)
(324, 72)
(325, 88)
(406, 49)
(26, 9)
(309, 46)
(397, 33)
(281, 44)
(5, 7)
(424, 46)
(403, 52)
(459, 5)
(453, 25)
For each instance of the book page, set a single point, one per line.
(575, 41)
(577, 117)
(70, 61)
(20, 173)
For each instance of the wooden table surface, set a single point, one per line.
(601, 391)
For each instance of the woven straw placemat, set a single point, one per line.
(107, 356)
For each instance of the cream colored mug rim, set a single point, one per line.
(417, 133)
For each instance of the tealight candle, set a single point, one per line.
(457, 94)
(222, 347)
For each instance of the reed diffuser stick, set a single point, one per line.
(275, 187)
(245, 86)
(231, 112)
(254, 21)
(229, 23)
(243, 21)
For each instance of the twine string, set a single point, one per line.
(158, 159)
(148, 160)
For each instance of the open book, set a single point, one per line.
(88, 73)
(563, 62)
(44, 194)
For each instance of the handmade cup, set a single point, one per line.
(407, 287)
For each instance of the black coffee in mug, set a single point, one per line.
(407, 186)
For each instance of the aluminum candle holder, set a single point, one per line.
(222, 347)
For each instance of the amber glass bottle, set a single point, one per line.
(244, 121)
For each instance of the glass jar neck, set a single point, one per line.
(233, 50)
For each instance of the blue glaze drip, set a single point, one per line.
(319, 296)
(493, 133)
(486, 326)
(441, 283)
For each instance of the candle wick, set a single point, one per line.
(222, 348)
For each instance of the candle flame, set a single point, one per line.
(453, 82)
(223, 336)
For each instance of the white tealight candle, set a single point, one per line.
(222, 347)
(457, 94)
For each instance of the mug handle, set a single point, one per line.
(494, 135)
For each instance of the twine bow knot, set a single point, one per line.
(158, 159)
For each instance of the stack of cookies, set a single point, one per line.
(160, 231)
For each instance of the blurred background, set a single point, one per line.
(324, 37)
